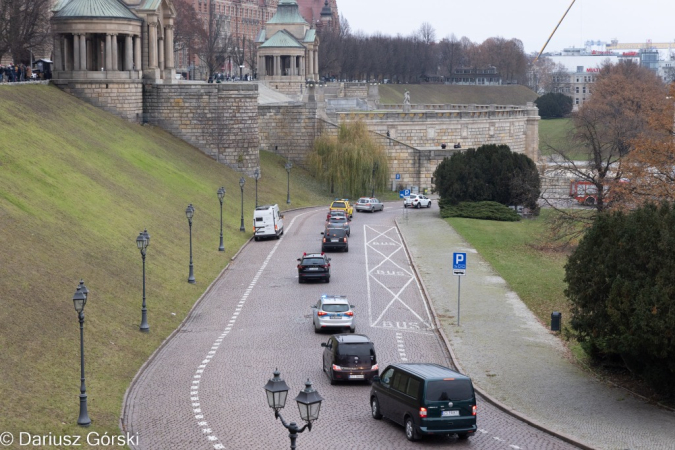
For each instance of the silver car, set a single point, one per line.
(333, 311)
(369, 204)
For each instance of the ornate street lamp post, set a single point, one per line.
(189, 213)
(142, 242)
(242, 181)
(309, 404)
(221, 195)
(256, 175)
(79, 301)
(288, 166)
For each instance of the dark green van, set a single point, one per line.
(425, 399)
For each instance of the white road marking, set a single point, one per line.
(214, 347)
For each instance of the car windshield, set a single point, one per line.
(364, 200)
(449, 390)
(308, 261)
(338, 219)
(335, 307)
(363, 350)
(338, 205)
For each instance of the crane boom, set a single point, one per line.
(554, 30)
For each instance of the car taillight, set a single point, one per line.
(338, 368)
(300, 266)
(423, 412)
(345, 239)
(276, 227)
(375, 367)
(473, 410)
(321, 313)
(325, 266)
(324, 239)
(349, 313)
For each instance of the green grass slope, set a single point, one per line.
(77, 185)
(446, 93)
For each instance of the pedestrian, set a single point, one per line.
(29, 73)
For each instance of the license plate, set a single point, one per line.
(335, 240)
(449, 413)
(312, 268)
(356, 377)
(335, 316)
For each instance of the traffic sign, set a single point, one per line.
(398, 176)
(403, 193)
(459, 264)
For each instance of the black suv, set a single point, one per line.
(314, 266)
(349, 357)
(425, 399)
(335, 239)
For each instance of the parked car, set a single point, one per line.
(335, 239)
(349, 357)
(313, 266)
(369, 204)
(425, 399)
(267, 222)
(342, 205)
(416, 201)
(333, 311)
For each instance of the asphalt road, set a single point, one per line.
(204, 388)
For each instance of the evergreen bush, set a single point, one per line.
(480, 210)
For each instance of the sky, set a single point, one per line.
(531, 21)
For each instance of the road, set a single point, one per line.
(204, 388)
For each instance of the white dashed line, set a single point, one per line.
(401, 347)
(194, 392)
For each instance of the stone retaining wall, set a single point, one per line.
(289, 129)
(123, 98)
(219, 119)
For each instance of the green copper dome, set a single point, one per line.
(104, 9)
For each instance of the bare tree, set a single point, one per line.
(24, 27)
(213, 49)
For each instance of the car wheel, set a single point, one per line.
(256, 238)
(375, 408)
(299, 280)
(327, 280)
(347, 249)
(316, 330)
(417, 206)
(352, 330)
(278, 236)
(429, 205)
(332, 380)
(405, 206)
(410, 431)
(463, 435)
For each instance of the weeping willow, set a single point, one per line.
(352, 164)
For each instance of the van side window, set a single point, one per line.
(386, 376)
(258, 219)
(413, 388)
(400, 382)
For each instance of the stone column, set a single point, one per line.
(128, 53)
(83, 52)
(58, 54)
(160, 52)
(302, 68)
(168, 47)
(152, 45)
(115, 53)
(108, 53)
(91, 61)
(310, 69)
(276, 65)
(316, 64)
(66, 53)
(137, 53)
(76, 52)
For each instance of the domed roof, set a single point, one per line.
(92, 9)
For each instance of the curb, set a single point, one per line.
(453, 357)
(155, 354)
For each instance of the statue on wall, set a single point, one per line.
(406, 97)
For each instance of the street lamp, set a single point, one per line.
(221, 195)
(241, 73)
(190, 212)
(142, 242)
(256, 175)
(288, 182)
(375, 167)
(309, 404)
(242, 181)
(79, 301)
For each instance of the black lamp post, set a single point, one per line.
(79, 300)
(242, 181)
(256, 175)
(221, 195)
(288, 182)
(190, 212)
(309, 404)
(375, 167)
(142, 242)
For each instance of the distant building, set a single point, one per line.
(476, 76)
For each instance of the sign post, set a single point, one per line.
(458, 269)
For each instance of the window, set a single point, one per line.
(386, 376)
(449, 390)
(584, 89)
(413, 388)
(576, 89)
(400, 382)
(335, 307)
(576, 101)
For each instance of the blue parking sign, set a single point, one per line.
(398, 176)
(459, 264)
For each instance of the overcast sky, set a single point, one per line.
(531, 21)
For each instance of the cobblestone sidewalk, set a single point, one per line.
(515, 359)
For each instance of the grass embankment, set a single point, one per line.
(555, 133)
(517, 251)
(77, 185)
(446, 93)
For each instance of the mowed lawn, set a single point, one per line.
(77, 185)
(555, 134)
(446, 93)
(517, 251)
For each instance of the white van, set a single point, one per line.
(267, 222)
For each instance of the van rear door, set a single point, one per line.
(450, 401)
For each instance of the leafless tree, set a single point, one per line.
(24, 27)
(213, 49)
